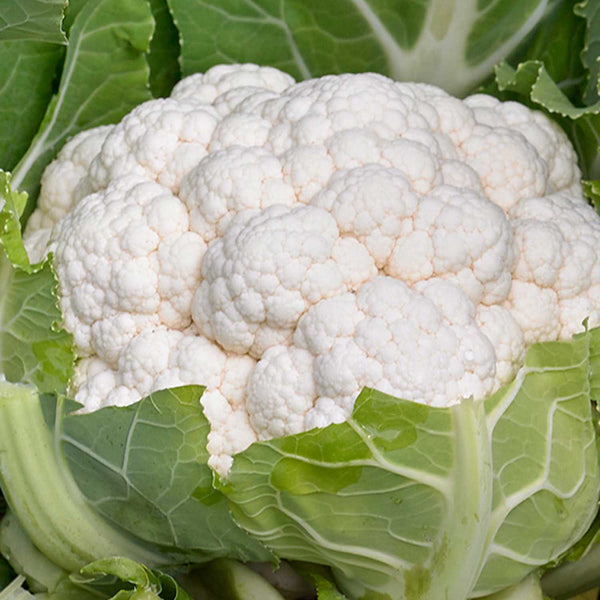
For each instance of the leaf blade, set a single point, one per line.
(105, 75)
(33, 347)
(27, 70)
(391, 454)
(435, 42)
(150, 459)
(32, 20)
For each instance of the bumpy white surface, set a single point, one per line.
(126, 262)
(268, 269)
(64, 182)
(422, 345)
(286, 244)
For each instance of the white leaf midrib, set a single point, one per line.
(436, 55)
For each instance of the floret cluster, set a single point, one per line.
(286, 244)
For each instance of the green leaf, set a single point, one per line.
(590, 11)
(452, 44)
(498, 24)
(123, 568)
(532, 79)
(31, 47)
(326, 590)
(163, 56)
(104, 76)
(27, 72)
(553, 44)
(396, 489)
(44, 497)
(545, 456)
(148, 584)
(420, 502)
(144, 467)
(12, 204)
(33, 347)
(35, 20)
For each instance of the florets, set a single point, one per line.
(286, 244)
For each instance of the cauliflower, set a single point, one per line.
(286, 244)
(418, 344)
(268, 269)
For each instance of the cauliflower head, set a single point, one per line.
(286, 244)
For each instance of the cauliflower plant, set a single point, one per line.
(287, 244)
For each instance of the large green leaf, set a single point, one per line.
(31, 46)
(33, 347)
(38, 20)
(27, 71)
(410, 501)
(104, 76)
(144, 467)
(453, 44)
(394, 498)
(545, 455)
